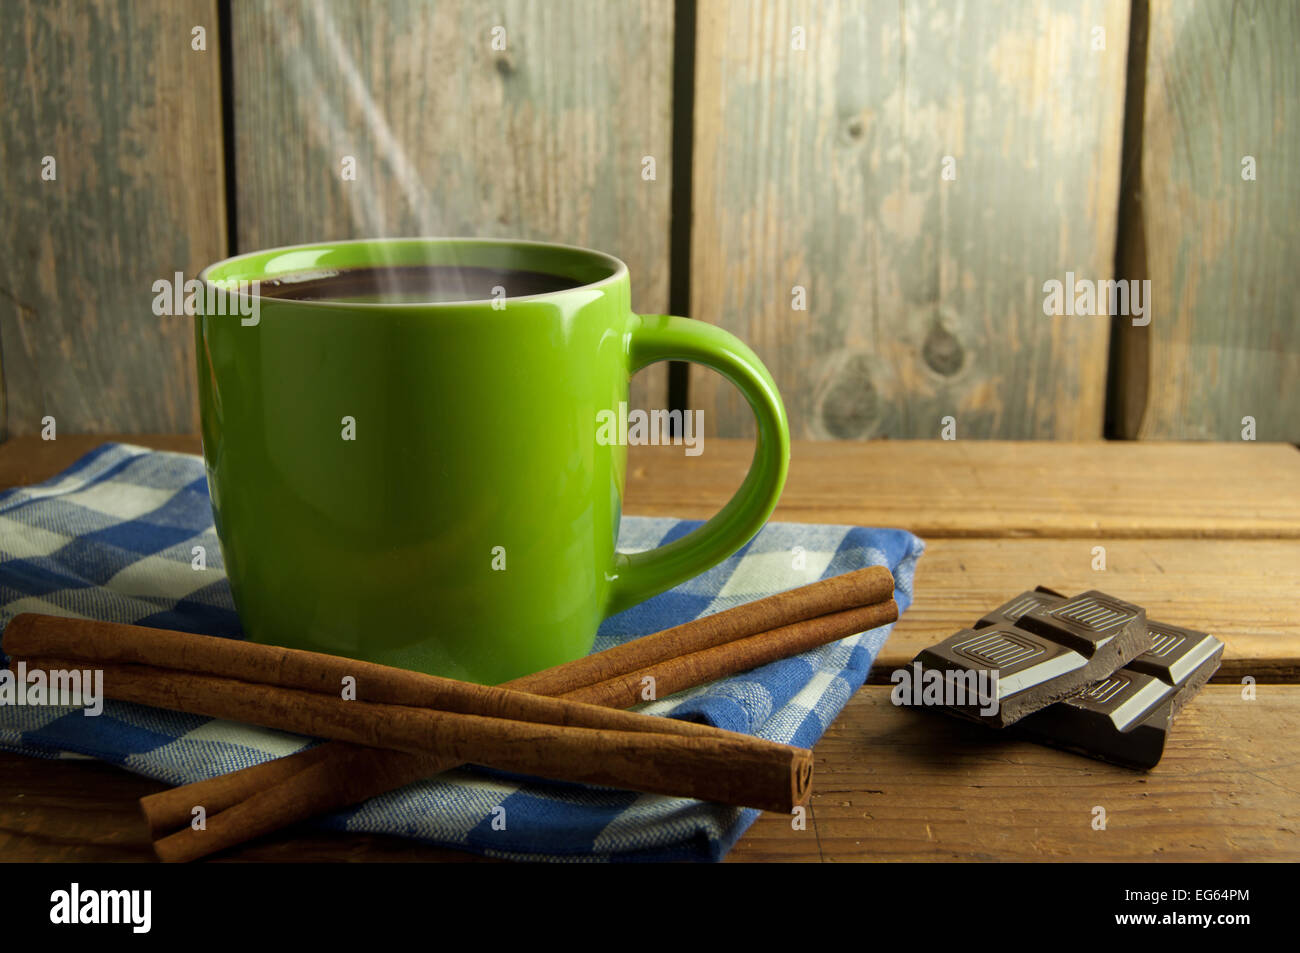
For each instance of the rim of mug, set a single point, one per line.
(619, 270)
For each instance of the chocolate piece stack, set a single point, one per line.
(1089, 674)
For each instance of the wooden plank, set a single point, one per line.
(1243, 591)
(978, 488)
(71, 810)
(823, 168)
(543, 140)
(901, 785)
(1220, 250)
(892, 784)
(131, 115)
(889, 784)
(937, 489)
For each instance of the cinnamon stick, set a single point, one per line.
(85, 642)
(862, 587)
(168, 811)
(828, 599)
(325, 785)
(263, 798)
(239, 810)
(336, 774)
(697, 668)
(699, 762)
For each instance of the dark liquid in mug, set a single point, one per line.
(413, 284)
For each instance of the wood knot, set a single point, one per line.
(850, 407)
(942, 351)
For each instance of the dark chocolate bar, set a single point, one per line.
(1009, 612)
(1184, 659)
(1040, 654)
(1125, 717)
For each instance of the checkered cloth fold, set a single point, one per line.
(113, 538)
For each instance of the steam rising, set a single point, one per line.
(366, 211)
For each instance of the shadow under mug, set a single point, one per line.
(427, 485)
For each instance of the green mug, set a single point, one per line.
(422, 483)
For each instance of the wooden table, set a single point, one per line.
(1206, 535)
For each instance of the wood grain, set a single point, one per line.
(1243, 591)
(891, 785)
(543, 140)
(132, 116)
(977, 488)
(1220, 251)
(896, 785)
(900, 785)
(822, 168)
(936, 489)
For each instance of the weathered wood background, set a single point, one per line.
(131, 115)
(822, 168)
(880, 191)
(1222, 239)
(543, 140)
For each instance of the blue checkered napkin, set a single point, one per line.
(113, 538)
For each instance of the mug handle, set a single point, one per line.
(638, 576)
